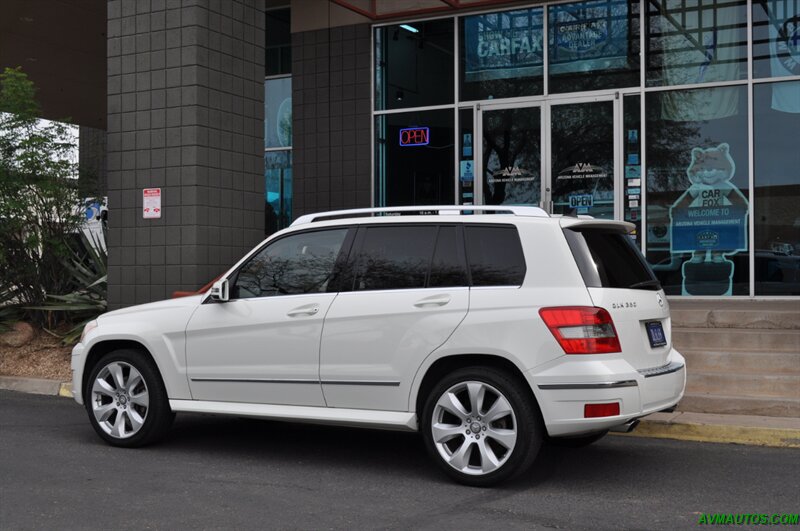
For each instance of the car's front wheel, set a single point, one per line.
(481, 426)
(126, 399)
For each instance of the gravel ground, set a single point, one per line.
(43, 357)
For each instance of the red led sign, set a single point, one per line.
(415, 136)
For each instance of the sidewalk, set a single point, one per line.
(778, 432)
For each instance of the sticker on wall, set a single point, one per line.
(151, 203)
(511, 174)
(634, 182)
(634, 191)
(633, 172)
(582, 170)
(633, 158)
(467, 171)
(466, 149)
(633, 204)
(633, 136)
(709, 220)
(581, 202)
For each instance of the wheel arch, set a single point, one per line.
(446, 364)
(102, 348)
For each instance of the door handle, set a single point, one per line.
(308, 309)
(433, 300)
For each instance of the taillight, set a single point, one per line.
(582, 329)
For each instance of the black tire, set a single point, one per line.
(126, 412)
(525, 418)
(577, 442)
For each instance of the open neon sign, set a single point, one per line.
(415, 136)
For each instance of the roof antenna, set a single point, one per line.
(572, 213)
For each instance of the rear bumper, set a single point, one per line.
(564, 387)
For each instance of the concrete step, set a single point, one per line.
(715, 339)
(743, 362)
(746, 385)
(738, 405)
(736, 319)
(737, 313)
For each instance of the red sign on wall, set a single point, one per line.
(415, 136)
(151, 203)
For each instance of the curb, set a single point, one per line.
(36, 386)
(774, 432)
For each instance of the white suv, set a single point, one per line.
(488, 329)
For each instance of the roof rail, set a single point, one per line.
(431, 210)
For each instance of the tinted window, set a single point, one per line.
(395, 257)
(495, 256)
(610, 259)
(447, 267)
(302, 263)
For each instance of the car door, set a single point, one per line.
(408, 294)
(262, 346)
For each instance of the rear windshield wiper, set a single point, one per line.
(646, 284)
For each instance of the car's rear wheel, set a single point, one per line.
(126, 400)
(481, 426)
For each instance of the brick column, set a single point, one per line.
(186, 114)
(331, 119)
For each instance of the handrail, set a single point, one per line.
(431, 210)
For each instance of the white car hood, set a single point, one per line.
(181, 302)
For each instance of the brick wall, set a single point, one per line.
(331, 119)
(186, 114)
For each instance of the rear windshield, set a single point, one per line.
(609, 259)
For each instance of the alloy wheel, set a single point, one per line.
(120, 400)
(474, 428)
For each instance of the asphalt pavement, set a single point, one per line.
(230, 473)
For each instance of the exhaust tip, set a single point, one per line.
(626, 427)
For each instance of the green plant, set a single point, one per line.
(87, 265)
(10, 311)
(38, 197)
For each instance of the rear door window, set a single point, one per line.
(609, 259)
(395, 257)
(494, 254)
(448, 267)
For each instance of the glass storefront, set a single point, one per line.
(679, 117)
(278, 121)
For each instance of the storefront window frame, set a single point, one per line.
(475, 105)
(277, 149)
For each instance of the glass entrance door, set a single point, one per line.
(510, 156)
(558, 155)
(581, 172)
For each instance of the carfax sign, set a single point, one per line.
(711, 215)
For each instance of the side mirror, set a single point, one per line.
(219, 291)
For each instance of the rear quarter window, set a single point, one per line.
(494, 254)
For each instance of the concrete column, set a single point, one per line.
(331, 118)
(92, 162)
(185, 114)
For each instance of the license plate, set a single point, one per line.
(655, 333)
